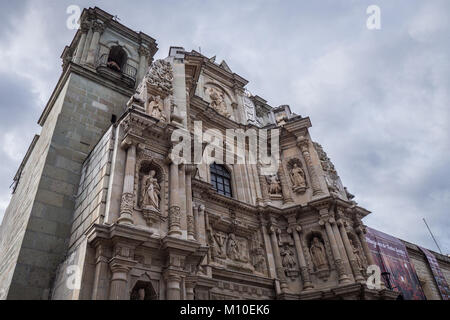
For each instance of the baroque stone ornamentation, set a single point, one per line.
(318, 255)
(303, 143)
(160, 75)
(174, 217)
(156, 108)
(288, 261)
(218, 103)
(126, 204)
(331, 176)
(274, 185)
(297, 175)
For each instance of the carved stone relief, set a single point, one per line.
(331, 176)
(297, 175)
(155, 108)
(274, 186)
(288, 260)
(217, 97)
(160, 76)
(319, 256)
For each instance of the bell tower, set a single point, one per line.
(101, 69)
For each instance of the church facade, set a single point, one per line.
(102, 210)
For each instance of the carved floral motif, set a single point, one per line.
(160, 75)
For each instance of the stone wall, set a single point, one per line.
(38, 222)
(91, 199)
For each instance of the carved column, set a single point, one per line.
(190, 221)
(349, 249)
(190, 285)
(295, 230)
(126, 205)
(303, 144)
(340, 244)
(87, 44)
(97, 29)
(100, 278)
(284, 185)
(360, 231)
(84, 27)
(144, 55)
(174, 207)
(173, 286)
(324, 221)
(276, 252)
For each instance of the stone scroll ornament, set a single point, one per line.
(160, 75)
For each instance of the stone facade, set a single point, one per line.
(101, 212)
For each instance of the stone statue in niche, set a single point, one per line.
(298, 178)
(233, 248)
(288, 261)
(259, 260)
(156, 108)
(218, 101)
(357, 255)
(318, 254)
(151, 191)
(274, 185)
(287, 257)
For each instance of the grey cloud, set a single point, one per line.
(378, 100)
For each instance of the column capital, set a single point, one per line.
(98, 26)
(128, 142)
(85, 26)
(294, 228)
(144, 52)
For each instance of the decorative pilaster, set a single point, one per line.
(340, 244)
(325, 222)
(190, 220)
(173, 286)
(277, 257)
(295, 230)
(174, 207)
(87, 44)
(303, 144)
(190, 286)
(360, 231)
(101, 270)
(97, 28)
(84, 27)
(349, 249)
(144, 56)
(126, 205)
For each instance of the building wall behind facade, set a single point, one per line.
(80, 116)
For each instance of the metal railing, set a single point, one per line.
(127, 70)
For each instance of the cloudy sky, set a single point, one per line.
(379, 100)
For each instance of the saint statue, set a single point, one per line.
(274, 185)
(287, 259)
(156, 108)
(232, 248)
(318, 254)
(298, 177)
(150, 192)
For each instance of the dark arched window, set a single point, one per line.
(117, 58)
(221, 179)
